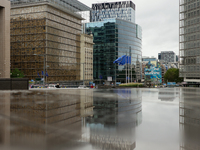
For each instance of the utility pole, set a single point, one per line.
(128, 68)
(44, 73)
(131, 73)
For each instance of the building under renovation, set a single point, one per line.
(45, 38)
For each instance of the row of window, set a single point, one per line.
(192, 29)
(192, 14)
(192, 6)
(187, 1)
(192, 37)
(193, 21)
(193, 52)
(192, 44)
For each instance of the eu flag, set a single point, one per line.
(47, 74)
(38, 74)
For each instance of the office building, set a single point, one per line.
(115, 36)
(122, 10)
(45, 38)
(167, 56)
(189, 47)
(86, 58)
(4, 39)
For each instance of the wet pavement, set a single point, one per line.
(118, 119)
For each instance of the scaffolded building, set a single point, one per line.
(45, 38)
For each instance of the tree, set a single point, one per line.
(172, 75)
(16, 74)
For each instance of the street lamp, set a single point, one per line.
(44, 69)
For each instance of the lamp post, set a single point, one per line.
(44, 69)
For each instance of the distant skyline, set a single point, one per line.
(160, 24)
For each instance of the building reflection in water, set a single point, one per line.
(168, 94)
(116, 115)
(4, 119)
(189, 118)
(43, 119)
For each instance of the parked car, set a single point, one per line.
(52, 86)
(82, 86)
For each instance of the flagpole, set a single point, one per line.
(126, 67)
(131, 73)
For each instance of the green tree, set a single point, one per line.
(172, 75)
(16, 74)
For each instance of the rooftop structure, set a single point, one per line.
(122, 10)
(72, 5)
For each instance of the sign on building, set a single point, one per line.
(109, 78)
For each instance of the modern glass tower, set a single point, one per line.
(189, 47)
(115, 36)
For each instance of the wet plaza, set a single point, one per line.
(109, 119)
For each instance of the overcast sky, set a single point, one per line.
(159, 20)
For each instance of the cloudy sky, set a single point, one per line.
(159, 20)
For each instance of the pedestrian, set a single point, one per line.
(57, 86)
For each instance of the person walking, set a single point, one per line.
(57, 86)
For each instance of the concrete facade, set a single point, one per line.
(189, 43)
(4, 39)
(86, 58)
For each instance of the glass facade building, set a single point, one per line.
(114, 38)
(189, 48)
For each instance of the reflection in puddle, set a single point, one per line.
(168, 94)
(43, 119)
(59, 119)
(190, 119)
(99, 119)
(115, 118)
